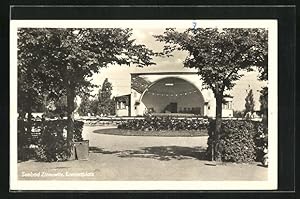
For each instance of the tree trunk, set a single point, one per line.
(70, 114)
(29, 116)
(29, 121)
(217, 133)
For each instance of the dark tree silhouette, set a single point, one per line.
(62, 61)
(219, 55)
(249, 102)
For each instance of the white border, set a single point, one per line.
(270, 184)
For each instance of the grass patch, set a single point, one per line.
(163, 133)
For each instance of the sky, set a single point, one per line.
(119, 76)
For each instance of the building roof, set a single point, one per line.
(121, 96)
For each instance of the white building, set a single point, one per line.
(169, 93)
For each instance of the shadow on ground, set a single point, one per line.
(163, 153)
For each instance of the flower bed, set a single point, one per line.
(164, 123)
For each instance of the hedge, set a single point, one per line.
(46, 141)
(164, 123)
(261, 141)
(25, 139)
(240, 141)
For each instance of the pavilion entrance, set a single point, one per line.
(173, 95)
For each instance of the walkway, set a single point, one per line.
(146, 158)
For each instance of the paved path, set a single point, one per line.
(115, 157)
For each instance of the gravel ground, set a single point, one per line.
(115, 157)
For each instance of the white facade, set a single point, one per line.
(175, 92)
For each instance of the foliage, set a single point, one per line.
(164, 123)
(249, 102)
(56, 108)
(240, 140)
(35, 79)
(49, 139)
(105, 104)
(105, 91)
(61, 61)
(219, 55)
(112, 106)
(78, 131)
(261, 142)
(24, 140)
(85, 105)
(75, 54)
(238, 114)
(263, 99)
(102, 105)
(52, 145)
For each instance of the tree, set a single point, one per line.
(263, 99)
(249, 102)
(35, 83)
(112, 106)
(66, 58)
(105, 91)
(238, 114)
(85, 105)
(218, 55)
(104, 98)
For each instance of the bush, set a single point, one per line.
(261, 141)
(164, 123)
(24, 141)
(238, 140)
(49, 139)
(78, 127)
(53, 144)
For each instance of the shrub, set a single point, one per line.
(24, 141)
(78, 127)
(53, 144)
(164, 123)
(49, 138)
(238, 140)
(261, 141)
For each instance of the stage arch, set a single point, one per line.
(173, 95)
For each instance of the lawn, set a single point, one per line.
(163, 133)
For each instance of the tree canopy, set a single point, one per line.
(219, 54)
(54, 54)
(61, 61)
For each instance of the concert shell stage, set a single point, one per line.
(169, 93)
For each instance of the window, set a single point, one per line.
(121, 105)
(225, 105)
